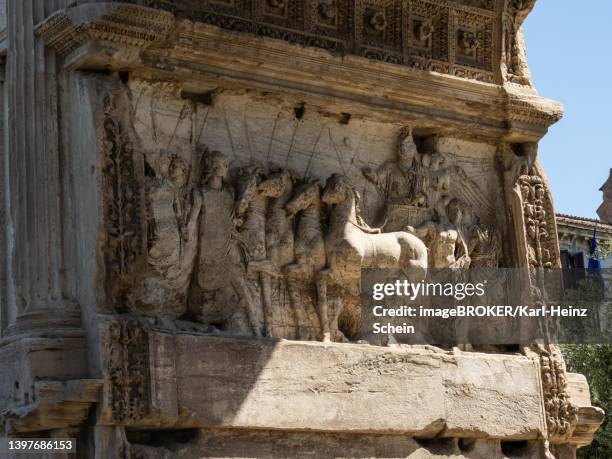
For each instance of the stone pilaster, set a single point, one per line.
(36, 194)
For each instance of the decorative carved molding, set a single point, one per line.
(444, 36)
(130, 25)
(418, 33)
(440, 37)
(514, 63)
(529, 203)
(527, 110)
(121, 197)
(127, 369)
(561, 414)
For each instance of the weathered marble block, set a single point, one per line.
(205, 382)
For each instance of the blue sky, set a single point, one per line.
(569, 51)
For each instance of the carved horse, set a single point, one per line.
(279, 222)
(251, 211)
(309, 246)
(351, 245)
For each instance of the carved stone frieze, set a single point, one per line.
(256, 249)
(444, 37)
(514, 66)
(200, 175)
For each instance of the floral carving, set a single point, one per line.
(327, 10)
(378, 21)
(126, 368)
(121, 197)
(424, 31)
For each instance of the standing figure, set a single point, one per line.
(484, 246)
(172, 215)
(220, 262)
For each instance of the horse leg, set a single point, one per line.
(245, 297)
(322, 305)
(292, 275)
(266, 290)
(299, 312)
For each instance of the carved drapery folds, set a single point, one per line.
(258, 250)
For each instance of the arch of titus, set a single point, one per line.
(190, 190)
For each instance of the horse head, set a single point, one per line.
(249, 178)
(337, 189)
(305, 195)
(279, 182)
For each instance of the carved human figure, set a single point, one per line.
(448, 246)
(401, 182)
(172, 215)
(350, 245)
(438, 184)
(220, 265)
(483, 242)
(309, 246)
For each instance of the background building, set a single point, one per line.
(575, 234)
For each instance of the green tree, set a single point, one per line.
(595, 362)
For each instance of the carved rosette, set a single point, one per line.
(126, 367)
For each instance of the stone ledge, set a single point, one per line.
(57, 405)
(214, 382)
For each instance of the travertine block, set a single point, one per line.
(203, 381)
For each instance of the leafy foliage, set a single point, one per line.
(595, 362)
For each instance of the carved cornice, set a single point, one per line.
(456, 37)
(154, 41)
(130, 25)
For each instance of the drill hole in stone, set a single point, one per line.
(299, 111)
(124, 77)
